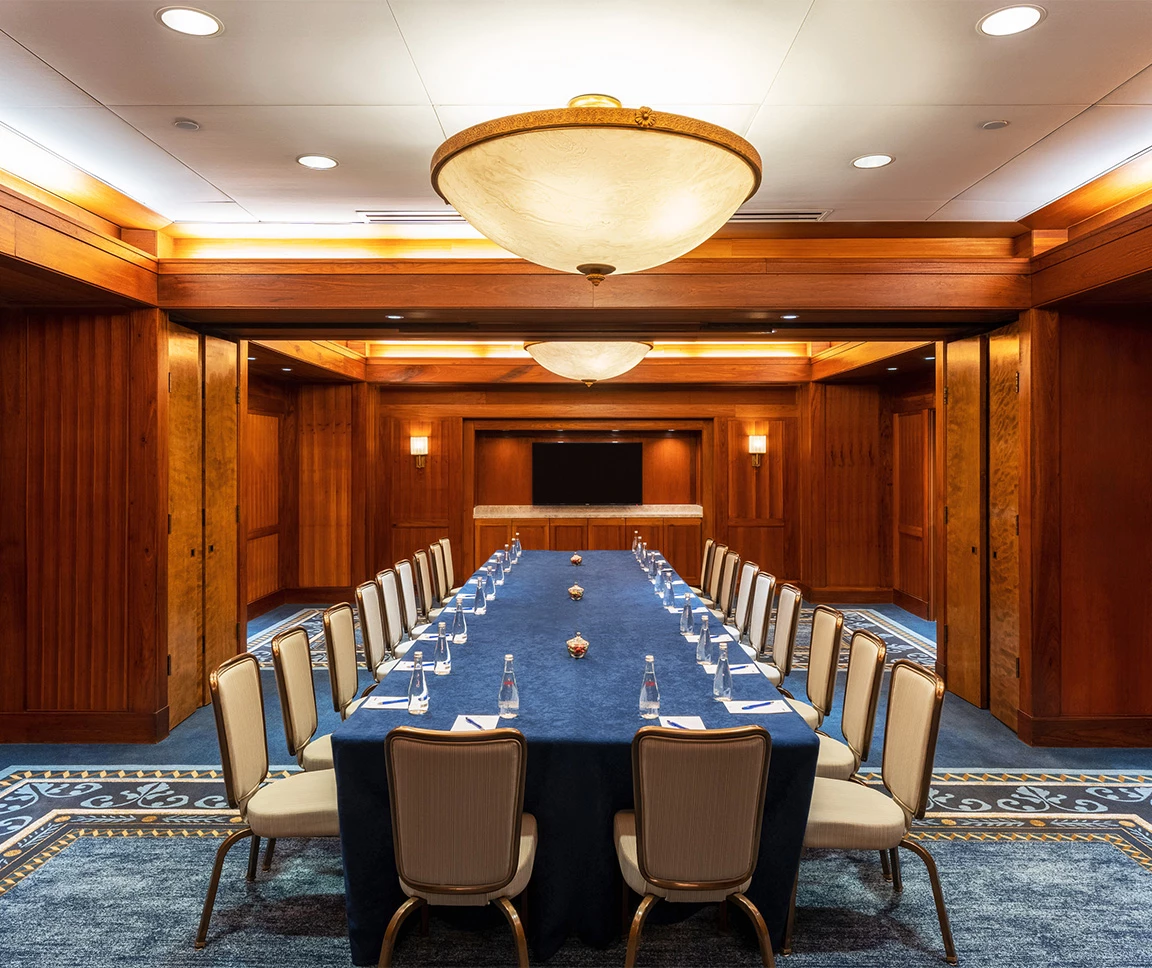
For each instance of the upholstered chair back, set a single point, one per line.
(915, 700)
(748, 573)
(340, 640)
(439, 573)
(726, 590)
(705, 561)
(787, 621)
(823, 657)
(238, 702)
(424, 582)
(760, 610)
(393, 610)
(449, 570)
(711, 585)
(862, 691)
(409, 604)
(372, 624)
(457, 801)
(681, 777)
(292, 660)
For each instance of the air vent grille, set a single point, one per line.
(445, 216)
(807, 216)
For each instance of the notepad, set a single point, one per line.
(469, 724)
(700, 609)
(385, 702)
(736, 670)
(683, 722)
(756, 706)
(671, 608)
(723, 637)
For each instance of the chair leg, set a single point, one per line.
(394, 926)
(897, 879)
(761, 928)
(253, 856)
(214, 883)
(885, 867)
(722, 917)
(937, 895)
(646, 903)
(517, 927)
(791, 922)
(268, 851)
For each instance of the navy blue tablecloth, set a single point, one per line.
(579, 717)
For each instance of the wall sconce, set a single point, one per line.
(757, 445)
(419, 447)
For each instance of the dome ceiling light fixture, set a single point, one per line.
(596, 188)
(588, 362)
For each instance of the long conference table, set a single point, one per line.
(579, 717)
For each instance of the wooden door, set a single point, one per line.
(185, 534)
(1004, 524)
(222, 632)
(912, 506)
(965, 622)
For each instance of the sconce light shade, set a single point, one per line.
(419, 447)
(757, 445)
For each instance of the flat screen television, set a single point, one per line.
(587, 473)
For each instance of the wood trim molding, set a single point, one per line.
(318, 353)
(851, 356)
(721, 372)
(84, 727)
(1083, 731)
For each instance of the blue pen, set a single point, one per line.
(676, 725)
(469, 719)
(757, 705)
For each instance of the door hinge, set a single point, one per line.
(169, 523)
(1017, 667)
(945, 396)
(1017, 381)
(1017, 524)
(238, 394)
(169, 665)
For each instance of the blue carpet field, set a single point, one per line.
(1045, 857)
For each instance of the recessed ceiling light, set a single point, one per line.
(318, 162)
(1011, 20)
(892, 369)
(186, 124)
(189, 20)
(872, 161)
(393, 317)
(994, 125)
(788, 316)
(286, 369)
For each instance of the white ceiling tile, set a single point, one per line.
(250, 152)
(1097, 140)
(938, 151)
(882, 210)
(642, 52)
(26, 81)
(969, 210)
(929, 52)
(1136, 90)
(274, 52)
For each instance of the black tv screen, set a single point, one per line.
(586, 473)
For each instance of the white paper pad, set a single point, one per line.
(462, 724)
(405, 665)
(756, 706)
(385, 702)
(736, 670)
(672, 608)
(700, 609)
(430, 637)
(683, 722)
(722, 637)
(692, 637)
(679, 581)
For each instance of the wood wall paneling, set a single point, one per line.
(185, 541)
(683, 546)
(503, 470)
(491, 535)
(607, 534)
(223, 636)
(1003, 524)
(911, 503)
(568, 534)
(966, 501)
(14, 418)
(533, 534)
(261, 478)
(263, 566)
(670, 466)
(325, 483)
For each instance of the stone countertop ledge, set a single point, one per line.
(588, 511)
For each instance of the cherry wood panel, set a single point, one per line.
(533, 534)
(966, 502)
(424, 372)
(263, 566)
(757, 493)
(911, 503)
(186, 538)
(325, 481)
(651, 532)
(503, 470)
(683, 546)
(607, 534)
(261, 477)
(670, 468)
(491, 535)
(764, 546)
(568, 534)
(1004, 587)
(320, 353)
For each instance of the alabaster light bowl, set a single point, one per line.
(576, 593)
(576, 560)
(577, 646)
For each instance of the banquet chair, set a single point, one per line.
(409, 602)
(705, 567)
(741, 608)
(788, 602)
(300, 805)
(759, 611)
(425, 585)
(726, 590)
(661, 848)
(449, 570)
(711, 585)
(292, 661)
(393, 610)
(840, 761)
(340, 642)
(823, 657)
(469, 789)
(852, 816)
(371, 608)
(442, 591)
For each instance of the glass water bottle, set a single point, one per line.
(509, 698)
(508, 561)
(649, 691)
(442, 655)
(669, 595)
(517, 548)
(490, 583)
(459, 623)
(499, 571)
(417, 687)
(686, 616)
(635, 542)
(722, 680)
(479, 607)
(704, 643)
(659, 584)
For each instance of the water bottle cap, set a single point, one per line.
(649, 658)
(417, 656)
(508, 657)
(443, 625)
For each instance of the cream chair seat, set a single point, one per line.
(807, 713)
(301, 805)
(836, 760)
(317, 755)
(851, 816)
(866, 653)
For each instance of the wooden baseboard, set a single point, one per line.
(850, 595)
(265, 604)
(916, 606)
(1085, 731)
(51, 726)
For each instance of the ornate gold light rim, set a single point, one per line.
(633, 119)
